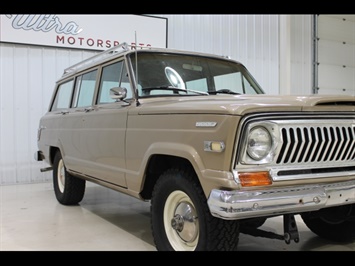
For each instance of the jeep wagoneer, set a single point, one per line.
(196, 136)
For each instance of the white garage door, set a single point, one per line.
(335, 70)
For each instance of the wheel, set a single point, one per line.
(69, 190)
(180, 217)
(335, 223)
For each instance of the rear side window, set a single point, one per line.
(85, 89)
(63, 96)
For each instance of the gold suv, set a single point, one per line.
(196, 136)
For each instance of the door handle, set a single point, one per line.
(89, 109)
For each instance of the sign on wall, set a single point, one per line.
(96, 32)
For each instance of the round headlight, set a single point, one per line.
(259, 143)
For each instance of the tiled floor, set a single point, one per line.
(31, 219)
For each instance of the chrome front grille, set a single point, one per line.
(304, 146)
(318, 142)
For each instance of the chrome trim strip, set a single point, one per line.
(275, 176)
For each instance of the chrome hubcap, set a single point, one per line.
(184, 222)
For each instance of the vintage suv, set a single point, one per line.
(196, 136)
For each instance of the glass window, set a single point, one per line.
(85, 88)
(196, 74)
(63, 96)
(234, 81)
(197, 85)
(114, 75)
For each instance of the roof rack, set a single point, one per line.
(98, 57)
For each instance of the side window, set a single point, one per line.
(84, 89)
(63, 96)
(114, 75)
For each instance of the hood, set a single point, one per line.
(244, 104)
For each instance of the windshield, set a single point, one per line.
(178, 74)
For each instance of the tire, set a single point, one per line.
(181, 220)
(334, 224)
(69, 190)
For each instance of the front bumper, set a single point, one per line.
(235, 205)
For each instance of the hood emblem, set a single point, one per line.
(206, 124)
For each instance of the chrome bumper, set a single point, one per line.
(234, 205)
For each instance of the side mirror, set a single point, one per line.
(118, 93)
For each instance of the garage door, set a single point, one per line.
(335, 54)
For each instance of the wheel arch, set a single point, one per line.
(158, 164)
(52, 152)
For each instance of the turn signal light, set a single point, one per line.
(255, 179)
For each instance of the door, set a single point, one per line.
(103, 129)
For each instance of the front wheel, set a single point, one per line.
(181, 220)
(69, 190)
(335, 223)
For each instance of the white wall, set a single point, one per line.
(250, 39)
(336, 54)
(301, 54)
(255, 41)
(28, 74)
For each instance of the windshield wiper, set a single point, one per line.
(225, 91)
(171, 88)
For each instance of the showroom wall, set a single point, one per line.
(335, 43)
(27, 80)
(256, 41)
(275, 48)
